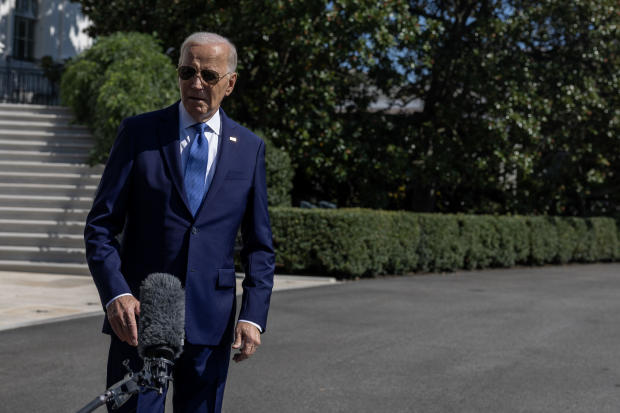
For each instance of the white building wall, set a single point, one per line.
(6, 26)
(59, 30)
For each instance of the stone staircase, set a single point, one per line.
(46, 189)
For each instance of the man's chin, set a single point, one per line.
(198, 109)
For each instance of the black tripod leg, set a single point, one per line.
(94, 404)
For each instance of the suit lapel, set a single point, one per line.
(226, 151)
(169, 139)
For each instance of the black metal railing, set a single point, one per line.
(21, 85)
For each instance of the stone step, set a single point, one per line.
(42, 254)
(35, 109)
(47, 189)
(44, 267)
(49, 156)
(75, 179)
(61, 215)
(44, 213)
(50, 201)
(63, 118)
(42, 239)
(81, 146)
(47, 226)
(48, 167)
(55, 135)
(40, 125)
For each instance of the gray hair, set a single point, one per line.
(207, 38)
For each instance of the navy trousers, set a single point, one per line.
(199, 379)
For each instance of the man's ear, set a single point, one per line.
(232, 79)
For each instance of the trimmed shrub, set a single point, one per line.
(403, 256)
(582, 252)
(481, 239)
(121, 75)
(513, 240)
(352, 242)
(617, 258)
(597, 239)
(440, 247)
(605, 237)
(360, 242)
(567, 239)
(280, 172)
(543, 240)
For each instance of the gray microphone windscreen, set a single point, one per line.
(161, 324)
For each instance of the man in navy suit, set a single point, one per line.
(178, 185)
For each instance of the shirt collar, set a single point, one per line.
(185, 120)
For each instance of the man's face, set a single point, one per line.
(201, 99)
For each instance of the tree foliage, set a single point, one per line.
(521, 107)
(300, 63)
(121, 75)
(279, 174)
(520, 97)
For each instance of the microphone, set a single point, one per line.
(161, 328)
(161, 325)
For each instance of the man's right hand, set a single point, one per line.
(122, 314)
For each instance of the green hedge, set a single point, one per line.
(280, 173)
(359, 242)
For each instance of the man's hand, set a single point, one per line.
(247, 338)
(122, 314)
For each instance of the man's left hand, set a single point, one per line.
(247, 338)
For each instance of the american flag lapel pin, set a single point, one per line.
(233, 139)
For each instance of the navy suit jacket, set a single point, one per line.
(142, 196)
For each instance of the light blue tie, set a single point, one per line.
(196, 168)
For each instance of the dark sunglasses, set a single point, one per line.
(209, 76)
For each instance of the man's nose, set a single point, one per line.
(196, 82)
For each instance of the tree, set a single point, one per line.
(520, 106)
(520, 97)
(121, 75)
(300, 62)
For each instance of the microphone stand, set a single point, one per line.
(155, 375)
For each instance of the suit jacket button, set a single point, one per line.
(194, 230)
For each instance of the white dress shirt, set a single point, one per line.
(187, 135)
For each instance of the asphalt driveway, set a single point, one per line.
(519, 340)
